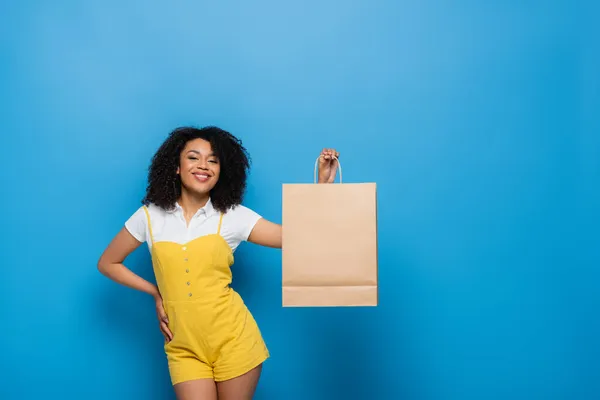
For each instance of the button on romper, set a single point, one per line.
(214, 334)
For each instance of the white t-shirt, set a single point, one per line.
(170, 225)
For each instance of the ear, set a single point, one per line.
(177, 170)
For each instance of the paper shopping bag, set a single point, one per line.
(329, 247)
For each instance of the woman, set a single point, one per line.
(192, 221)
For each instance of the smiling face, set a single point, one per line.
(199, 168)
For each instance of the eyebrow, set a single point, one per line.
(197, 152)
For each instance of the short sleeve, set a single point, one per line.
(241, 222)
(136, 225)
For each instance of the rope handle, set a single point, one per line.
(317, 164)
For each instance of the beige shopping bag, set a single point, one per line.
(329, 249)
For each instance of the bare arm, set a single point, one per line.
(266, 233)
(111, 263)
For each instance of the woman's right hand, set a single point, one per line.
(163, 321)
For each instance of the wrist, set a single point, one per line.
(155, 293)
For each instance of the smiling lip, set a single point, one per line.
(201, 177)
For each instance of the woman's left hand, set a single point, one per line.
(328, 165)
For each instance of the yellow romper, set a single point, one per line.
(214, 333)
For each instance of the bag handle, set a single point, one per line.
(317, 164)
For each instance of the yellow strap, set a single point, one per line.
(149, 225)
(220, 222)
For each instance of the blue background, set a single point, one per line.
(478, 121)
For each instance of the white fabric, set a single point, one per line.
(170, 225)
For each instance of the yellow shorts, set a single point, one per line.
(216, 341)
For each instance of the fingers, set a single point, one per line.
(163, 321)
(162, 315)
(166, 331)
(164, 318)
(329, 154)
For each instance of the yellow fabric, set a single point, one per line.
(214, 334)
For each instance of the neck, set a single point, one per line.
(192, 202)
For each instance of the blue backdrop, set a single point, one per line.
(478, 121)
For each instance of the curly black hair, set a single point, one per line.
(164, 184)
